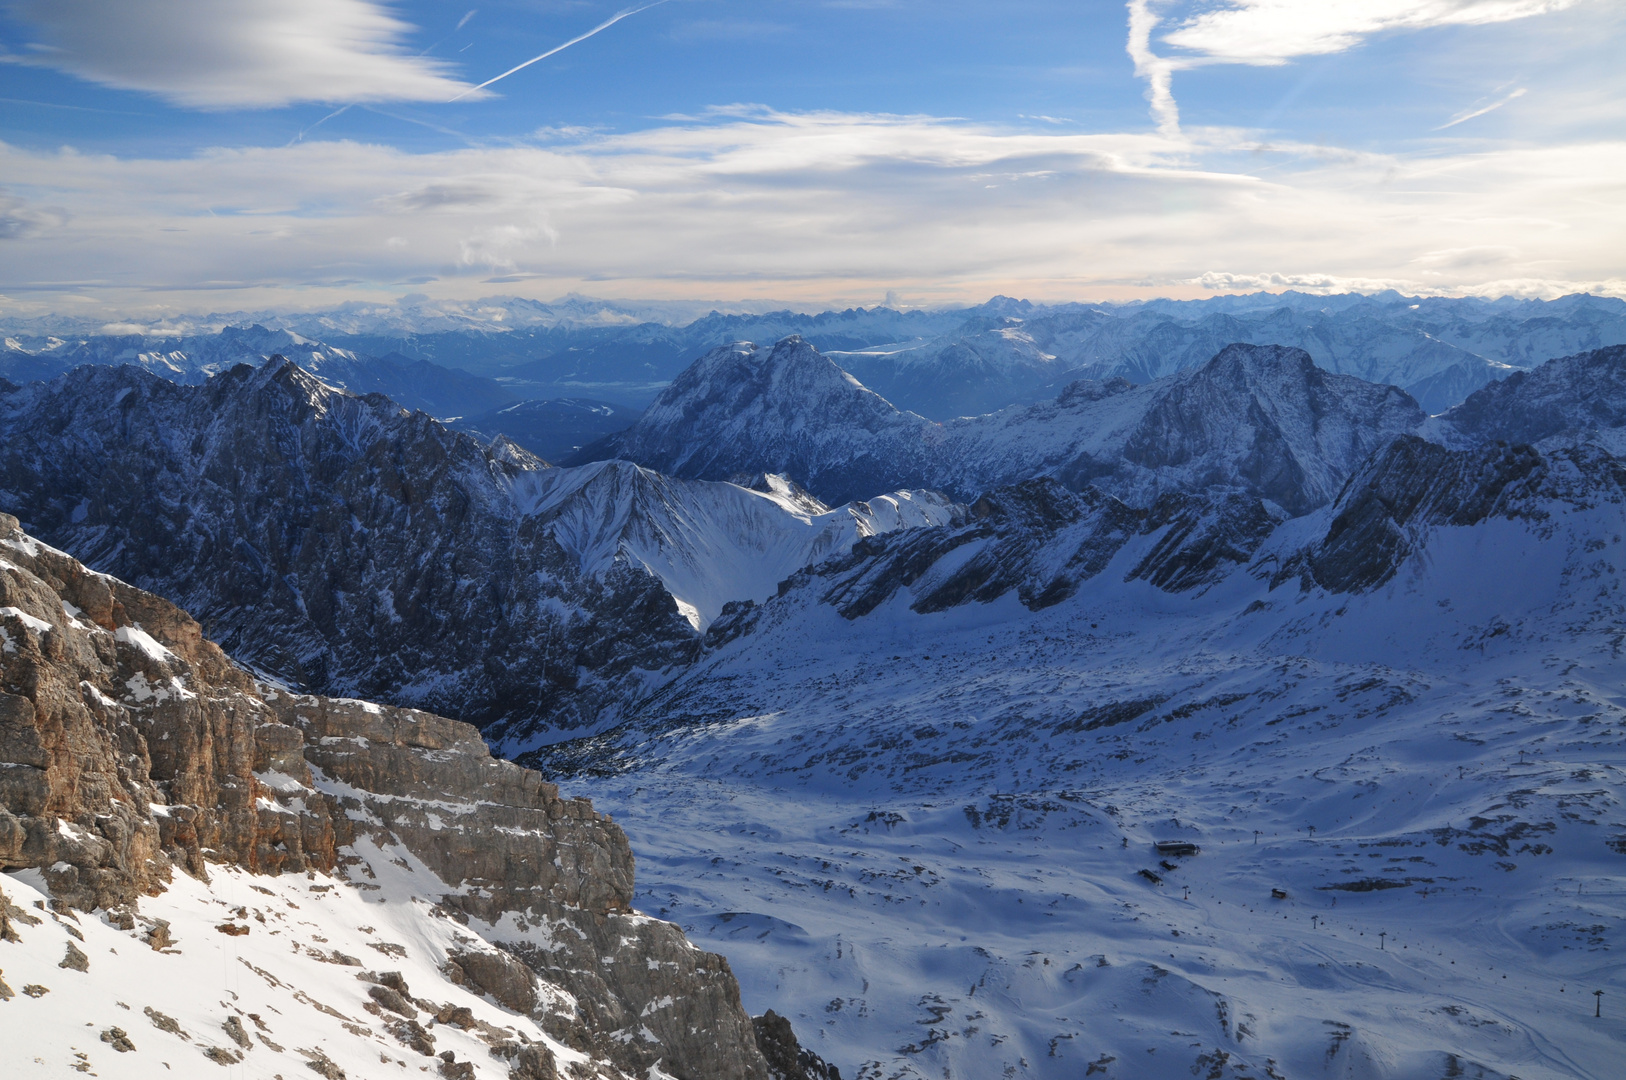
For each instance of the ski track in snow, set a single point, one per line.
(887, 828)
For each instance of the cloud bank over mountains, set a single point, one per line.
(811, 206)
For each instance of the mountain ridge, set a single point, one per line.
(337, 542)
(739, 410)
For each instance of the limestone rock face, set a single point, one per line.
(1386, 512)
(1041, 541)
(130, 746)
(787, 1059)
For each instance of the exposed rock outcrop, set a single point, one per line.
(1414, 486)
(131, 747)
(787, 1059)
(1042, 541)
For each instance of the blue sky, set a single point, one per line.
(214, 154)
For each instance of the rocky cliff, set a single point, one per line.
(135, 755)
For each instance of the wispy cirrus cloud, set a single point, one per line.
(605, 25)
(234, 54)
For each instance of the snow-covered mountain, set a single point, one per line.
(977, 368)
(203, 868)
(348, 546)
(941, 362)
(1023, 796)
(1568, 397)
(1260, 419)
(745, 408)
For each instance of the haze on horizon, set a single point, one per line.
(168, 155)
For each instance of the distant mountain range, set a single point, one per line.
(1260, 419)
(939, 363)
(347, 545)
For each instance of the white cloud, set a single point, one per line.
(227, 54)
(1275, 31)
(20, 220)
(1272, 32)
(1158, 71)
(816, 206)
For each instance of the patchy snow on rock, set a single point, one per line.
(266, 975)
(33, 622)
(134, 635)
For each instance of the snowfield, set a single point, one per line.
(929, 838)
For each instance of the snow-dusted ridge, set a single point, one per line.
(708, 543)
(344, 544)
(940, 363)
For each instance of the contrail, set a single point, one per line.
(301, 136)
(346, 108)
(1519, 93)
(605, 25)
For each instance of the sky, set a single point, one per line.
(200, 155)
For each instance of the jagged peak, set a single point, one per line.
(1242, 359)
(750, 369)
(506, 451)
(281, 375)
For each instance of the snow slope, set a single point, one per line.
(927, 829)
(291, 974)
(708, 543)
